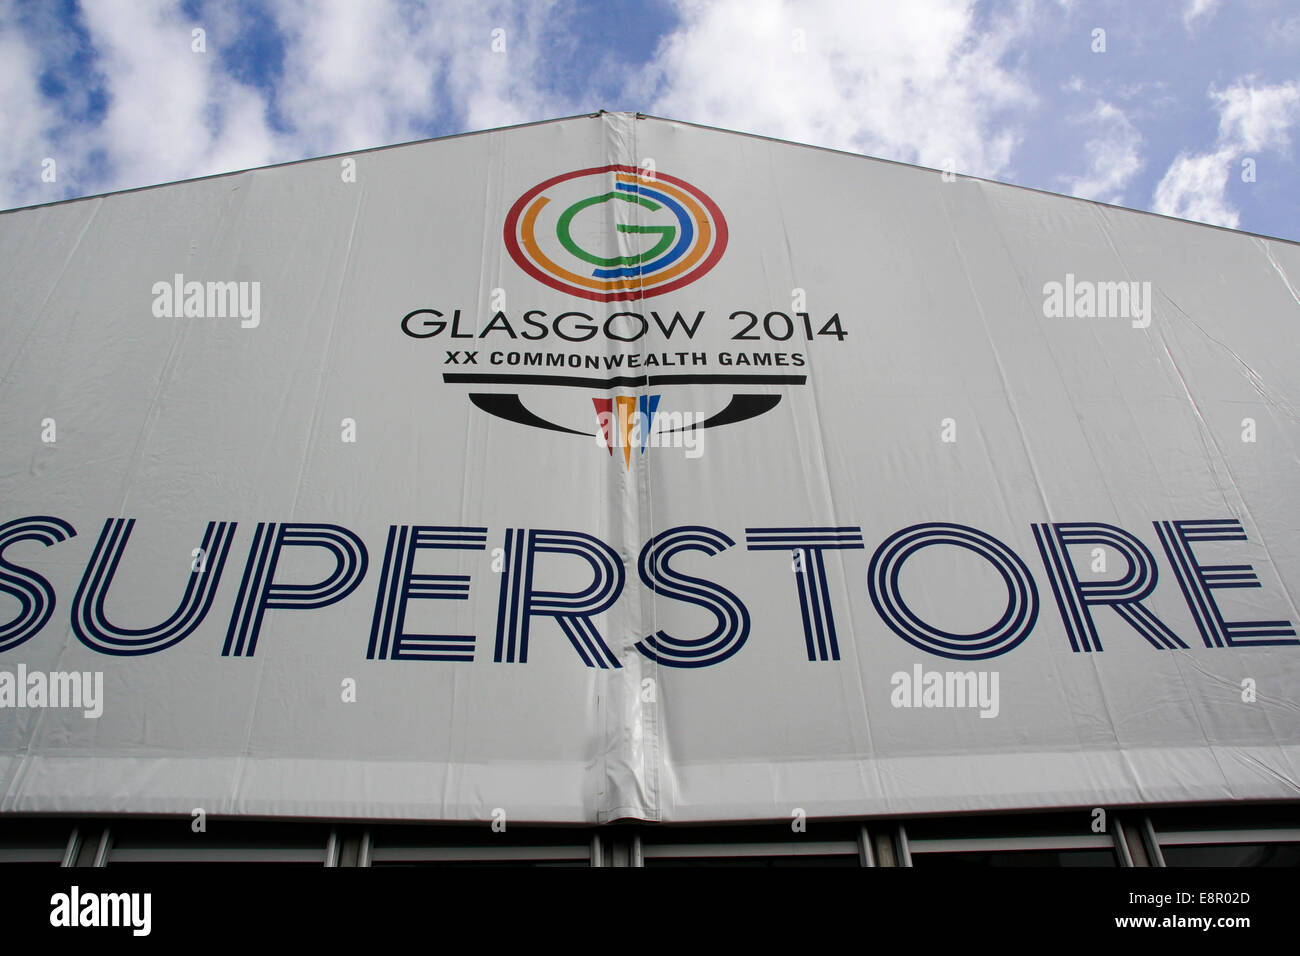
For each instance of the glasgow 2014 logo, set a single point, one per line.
(612, 234)
(666, 233)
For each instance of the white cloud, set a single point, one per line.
(359, 75)
(1284, 33)
(172, 112)
(1195, 9)
(1251, 118)
(920, 82)
(928, 82)
(27, 123)
(1195, 187)
(1258, 117)
(1113, 157)
(355, 75)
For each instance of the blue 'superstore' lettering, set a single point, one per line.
(521, 600)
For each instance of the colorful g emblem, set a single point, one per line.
(611, 232)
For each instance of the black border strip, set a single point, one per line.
(619, 381)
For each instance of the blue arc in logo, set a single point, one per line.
(686, 234)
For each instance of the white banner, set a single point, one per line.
(612, 468)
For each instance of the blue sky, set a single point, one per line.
(1187, 100)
